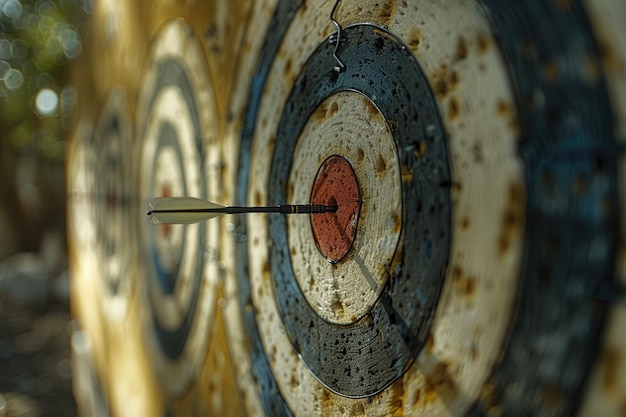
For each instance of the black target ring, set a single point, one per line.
(571, 236)
(379, 67)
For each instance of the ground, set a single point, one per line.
(35, 369)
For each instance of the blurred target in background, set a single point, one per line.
(178, 134)
(112, 191)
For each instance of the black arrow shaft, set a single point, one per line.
(282, 209)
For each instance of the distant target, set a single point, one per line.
(177, 133)
(113, 189)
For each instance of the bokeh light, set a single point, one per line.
(37, 41)
(13, 79)
(12, 9)
(47, 102)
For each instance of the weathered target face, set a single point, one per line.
(460, 273)
(176, 118)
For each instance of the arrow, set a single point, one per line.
(185, 210)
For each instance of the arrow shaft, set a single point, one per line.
(283, 209)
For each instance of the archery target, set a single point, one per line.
(475, 266)
(113, 182)
(178, 157)
(480, 155)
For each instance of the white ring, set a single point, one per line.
(351, 127)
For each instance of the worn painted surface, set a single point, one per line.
(299, 38)
(606, 394)
(342, 292)
(530, 184)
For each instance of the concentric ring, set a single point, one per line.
(344, 292)
(329, 350)
(178, 151)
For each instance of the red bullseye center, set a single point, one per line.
(336, 184)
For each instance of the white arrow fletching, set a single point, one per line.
(164, 210)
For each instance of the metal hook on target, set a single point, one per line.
(336, 39)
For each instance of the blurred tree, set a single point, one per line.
(38, 39)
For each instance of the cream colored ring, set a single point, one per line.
(351, 127)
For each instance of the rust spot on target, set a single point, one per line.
(461, 48)
(454, 108)
(483, 43)
(320, 113)
(505, 109)
(440, 383)
(512, 218)
(386, 12)
(465, 285)
(397, 222)
(396, 408)
(372, 110)
(611, 363)
(266, 269)
(289, 68)
(415, 39)
(336, 184)
(294, 381)
(337, 305)
(430, 343)
(381, 166)
(326, 398)
(445, 81)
